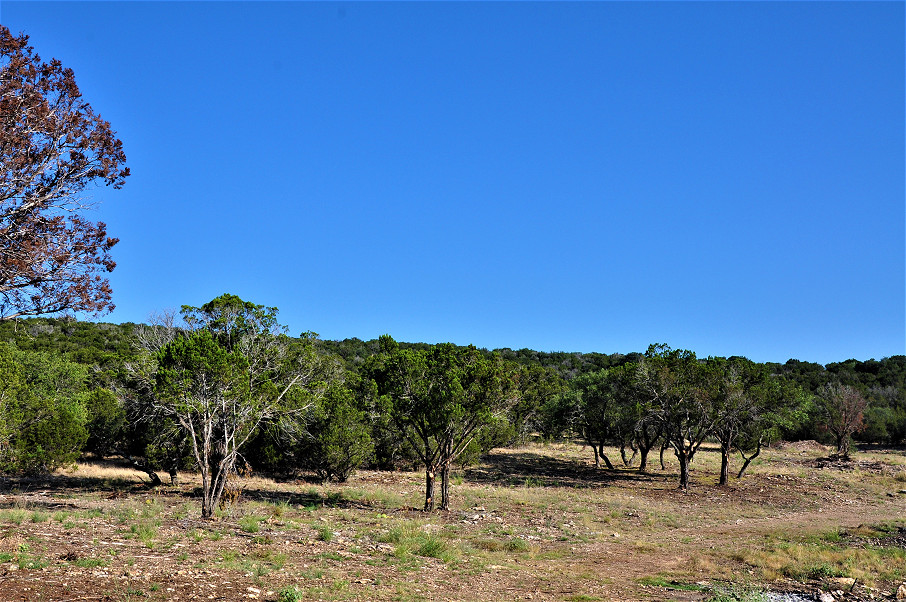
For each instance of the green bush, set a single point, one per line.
(106, 419)
(340, 439)
(42, 410)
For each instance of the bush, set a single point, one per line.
(42, 410)
(106, 419)
(340, 440)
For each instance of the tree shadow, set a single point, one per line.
(67, 484)
(529, 469)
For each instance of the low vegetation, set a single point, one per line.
(575, 533)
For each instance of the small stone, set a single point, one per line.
(617, 535)
(901, 592)
(825, 597)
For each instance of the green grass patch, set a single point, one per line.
(251, 523)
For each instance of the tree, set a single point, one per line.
(596, 414)
(843, 408)
(42, 410)
(681, 390)
(106, 421)
(439, 399)
(232, 371)
(538, 387)
(52, 147)
(750, 408)
(338, 439)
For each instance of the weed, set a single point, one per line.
(432, 547)
(532, 482)
(144, 531)
(291, 594)
(280, 508)
(516, 545)
(325, 533)
(312, 574)
(29, 562)
(251, 524)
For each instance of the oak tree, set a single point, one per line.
(53, 146)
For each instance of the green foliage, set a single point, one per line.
(340, 439)
(439, 399)
(106, 420)
(42, 411)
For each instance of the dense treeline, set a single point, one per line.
(223, 385)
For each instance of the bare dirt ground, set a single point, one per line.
(534, 523)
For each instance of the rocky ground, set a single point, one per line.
(534, 523)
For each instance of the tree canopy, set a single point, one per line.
(52, 147)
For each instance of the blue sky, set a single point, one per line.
(722, 177)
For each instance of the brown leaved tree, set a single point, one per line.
(52, 147)
(844, 414)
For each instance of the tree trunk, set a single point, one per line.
(597, 457)
(429, 489)
(207, 508)
(604, 457)
(684, 469)
(643, 458)
(628, 461)
(445, 487)
(746, 461)
(663, 449)
(724, 465)
(843, 446)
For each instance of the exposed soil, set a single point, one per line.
(537, 523)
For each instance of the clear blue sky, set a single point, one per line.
(722, 177)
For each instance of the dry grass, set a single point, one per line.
(536, 520)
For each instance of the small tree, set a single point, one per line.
(843, 407)
(681, 393)
(439, 398)
(597, 412)
(52, 147)
(232, 371)
(338, 439)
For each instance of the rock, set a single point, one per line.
(901, 592)
(843, 582)
(825, 597)
(617, 535)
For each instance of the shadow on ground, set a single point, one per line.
(535, 470)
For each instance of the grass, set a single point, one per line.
(251, 524)
(144, 531)
(324, 531)
(825, 556)
(338, 541)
